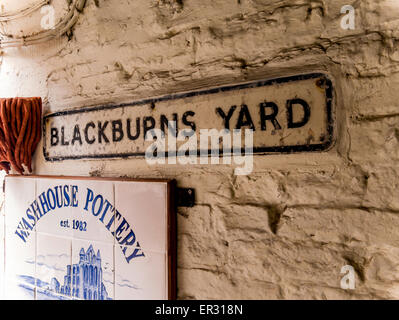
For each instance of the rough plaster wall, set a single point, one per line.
(286, 230)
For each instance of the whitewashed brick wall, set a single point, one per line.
(285, 231)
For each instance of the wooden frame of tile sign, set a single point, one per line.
(84, 238)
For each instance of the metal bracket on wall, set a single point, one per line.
(185, 197)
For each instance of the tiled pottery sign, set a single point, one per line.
(89, 239)
(292, 114)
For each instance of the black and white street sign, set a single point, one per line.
(292, 114)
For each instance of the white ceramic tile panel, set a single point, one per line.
(20, 257)
(143, 205)
(20, 246)
(53, 267)
(19, 290)
(19, 195)
(140, 271)
(94, 263)
(92, 219)
(45, 296)
(143, 278)
(57, 194)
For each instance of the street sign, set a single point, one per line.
(291, 114)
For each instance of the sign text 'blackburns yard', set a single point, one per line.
(292, 114)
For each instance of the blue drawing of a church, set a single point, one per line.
(84, 280)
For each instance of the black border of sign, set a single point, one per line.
(256, 150)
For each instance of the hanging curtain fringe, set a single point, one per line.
(20, 132)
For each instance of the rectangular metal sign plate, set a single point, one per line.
(292, 114)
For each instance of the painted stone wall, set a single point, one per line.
(286, 230)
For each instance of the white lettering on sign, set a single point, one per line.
(348, 20)
(348, 280)
(292, 114)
